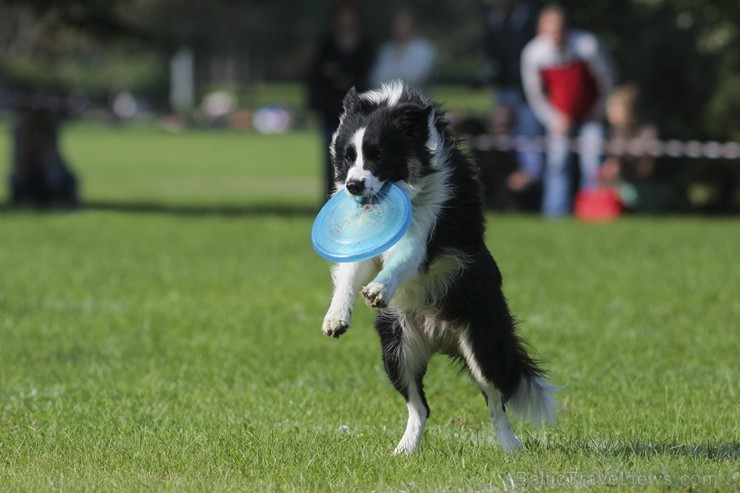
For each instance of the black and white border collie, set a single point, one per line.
(438, 289)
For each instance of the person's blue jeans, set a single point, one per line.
(557, 197)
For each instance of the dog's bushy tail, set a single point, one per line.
(534, 399)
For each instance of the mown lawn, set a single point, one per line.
(178, 346)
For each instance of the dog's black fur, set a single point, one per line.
(438, 289)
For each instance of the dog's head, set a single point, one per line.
(382, 137)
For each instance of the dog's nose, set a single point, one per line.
(355, 187)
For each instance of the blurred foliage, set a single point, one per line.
(70, 46)
(685, 54)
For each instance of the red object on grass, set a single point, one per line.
(598, 204)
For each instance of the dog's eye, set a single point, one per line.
(349, 156)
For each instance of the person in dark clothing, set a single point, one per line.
(40, 176)
(343, 60)
(510, 25)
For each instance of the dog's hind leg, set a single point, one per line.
(348, 279)
(405, 356)
(500, 421)
(494, 398)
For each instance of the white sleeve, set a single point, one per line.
(533, 88)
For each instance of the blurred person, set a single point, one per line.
(501, 167)
(630, 167)
(566, 77)
(510, 25)
(626, 126)
(40, 176)
(343, 60)
(408, 56)
(495, 162)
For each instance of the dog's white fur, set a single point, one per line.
(400, 263)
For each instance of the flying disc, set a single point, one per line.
(350, 229)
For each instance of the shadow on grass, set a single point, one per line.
(284, 210)
(729, 451)
(711, 451)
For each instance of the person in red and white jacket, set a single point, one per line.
(567, 78)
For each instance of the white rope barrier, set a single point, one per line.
(693, 149)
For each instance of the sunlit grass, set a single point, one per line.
(180, 351)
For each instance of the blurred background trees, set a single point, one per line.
(684, 54)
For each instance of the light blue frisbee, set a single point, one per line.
(350, 229)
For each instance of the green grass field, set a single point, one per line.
(168, 338)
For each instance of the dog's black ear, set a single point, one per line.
(414, 119)
(352, 101)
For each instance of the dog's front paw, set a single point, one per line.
(335, 326)
(376, 295)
